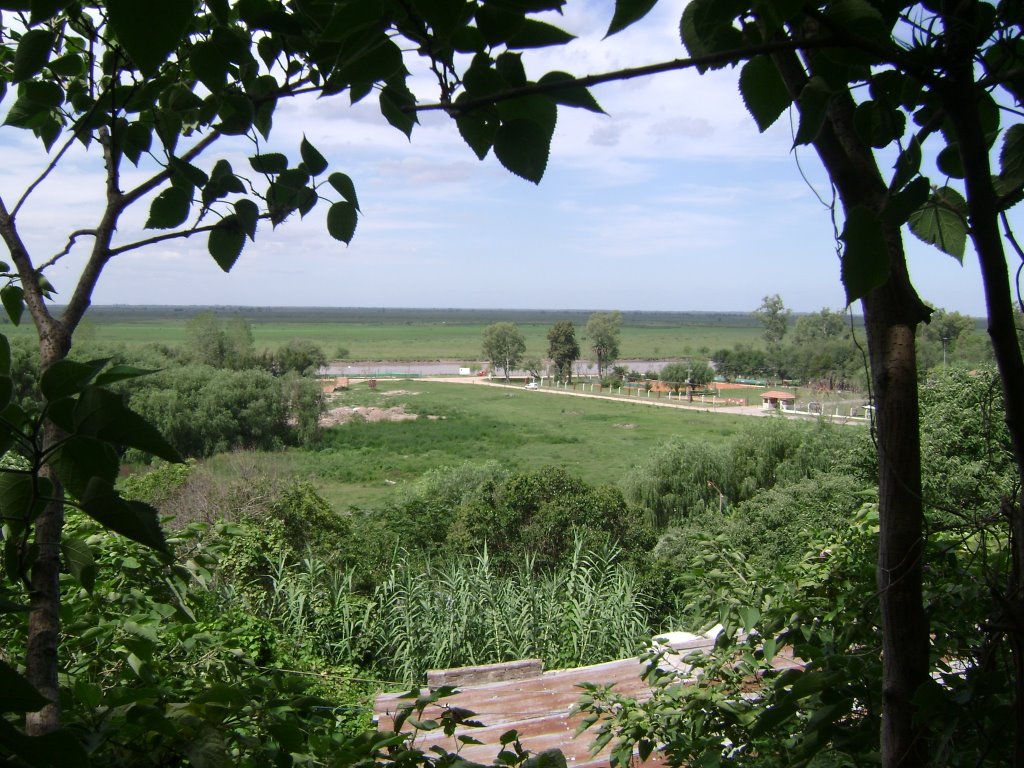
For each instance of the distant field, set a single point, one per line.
(361, 464)
(416, 334)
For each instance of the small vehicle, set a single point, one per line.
(533, 385)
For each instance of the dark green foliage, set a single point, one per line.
(563, 349)
(503, 346)
(219, 344)
(965, 448)
(603, 337)
(295, 356)
(682, 478)
(540, 513)
(204, 410)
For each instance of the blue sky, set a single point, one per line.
(672, 201)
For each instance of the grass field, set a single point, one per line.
(409, 335)
(360, 464)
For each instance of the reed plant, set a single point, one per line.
(464, 610)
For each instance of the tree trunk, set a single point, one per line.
(41, 658)
(960, 99)
(892, 313)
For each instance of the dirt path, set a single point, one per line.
(740, 410)
(735, 410)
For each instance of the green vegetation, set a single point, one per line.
(400, 334)
(594, 440)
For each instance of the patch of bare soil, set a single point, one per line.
(624, 426)
(344, 414)
(395, 392)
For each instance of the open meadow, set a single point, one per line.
(362, 463)
(415, 334)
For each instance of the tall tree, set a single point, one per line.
(147, 90)
(603, 335)
(774, 316)
(907, 77)
(813, 327)
(504, 346)
(563, 348)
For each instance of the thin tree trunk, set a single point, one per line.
(892, 313)
(41, 656)
(960, 98)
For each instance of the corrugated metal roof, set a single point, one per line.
(539, 707)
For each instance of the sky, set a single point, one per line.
(672, 201)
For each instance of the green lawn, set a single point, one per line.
(361, 464)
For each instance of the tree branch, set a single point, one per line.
(733, 56)
(155, 181)
(42, 177)
(183, 233)
(46, 325)
(67, 248)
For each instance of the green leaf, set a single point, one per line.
(1011, 156)
(43, 93)
(16, 693)
(101, 413)
(865, 259)
(209, 64)
(396, 103)
(121, 373)
(44, 10)
(226, 242)
(812, 104)
(537, 34)
(32, 54)
(478, 129)
(12, 297)
(860, 17)
(68, 65)
(950, 162)
(522, 146)
(903, 204)
(169, 209)
(248, 214)
(5, 357)
(80, 561)
(81, 458)
(908, 164)
(706, 27)
(341, 221)
(133, 519)
(570, 96)
(237, 114)
(65, 378)
(878, 124)
(315, 162)
(274, 162)
(763, 91)
(942, 222)
(343, 186)
(137, 139)
(773, 717)
(27, 114)
(628, 12)
(149, 31)
(183, 169)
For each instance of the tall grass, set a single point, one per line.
(464, 611)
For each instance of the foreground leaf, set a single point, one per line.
(865, 259)
(942, 222)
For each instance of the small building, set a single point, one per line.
(774, 400)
